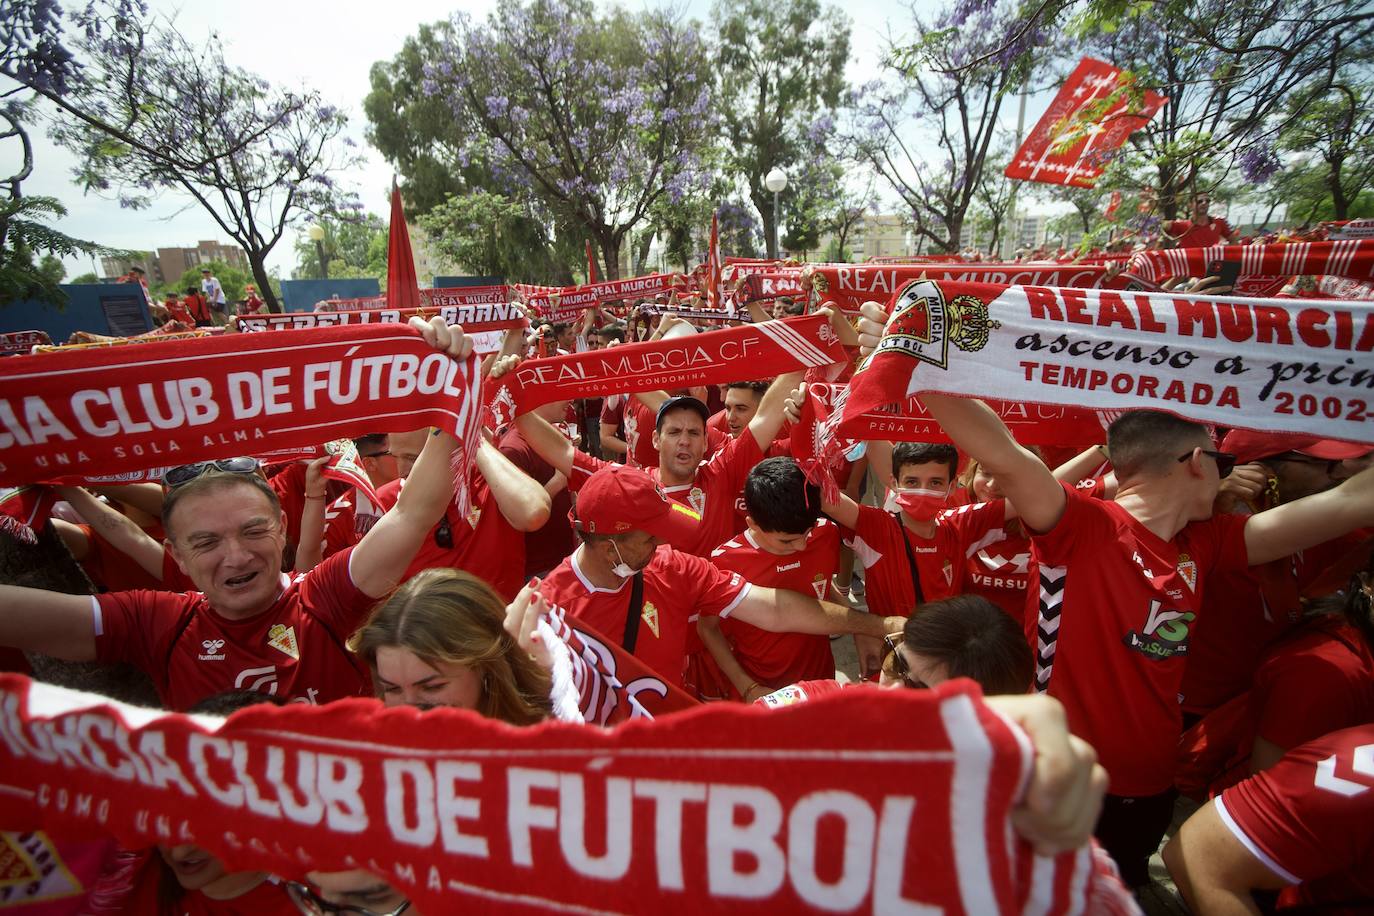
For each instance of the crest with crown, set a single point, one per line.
(969, 324)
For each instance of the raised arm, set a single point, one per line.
(781, 611)
(521, 499)
(118, 529)
(310, 550)
(1286, 529)
(768, 420)
(548, 443)
(146, 497)
(385, 551)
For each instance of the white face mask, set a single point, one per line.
(621, 569)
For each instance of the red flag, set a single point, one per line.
(713, 297)
(1112, 205)
(591, 263)
(1076, 118)
(402, 287)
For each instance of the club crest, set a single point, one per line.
(923, 324)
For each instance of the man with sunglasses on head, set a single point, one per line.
(1121, 583)
(249, 626)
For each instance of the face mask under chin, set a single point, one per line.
(621, 569)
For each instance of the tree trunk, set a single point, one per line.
(641, 252)
(764, 206)
(257, 263)
(1340, 205)
(609, 243)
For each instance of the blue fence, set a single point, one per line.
(116, 309)
(301, 295)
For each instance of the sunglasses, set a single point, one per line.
(443, 535)
(899, 666)
(184, 474)
(307, 901)
(1226, 462)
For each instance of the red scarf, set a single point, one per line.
(114, 410)
(558, 303)
(715, 357)
(16, 342)
(475, 318)
(1281, 366)
(1263, 268)
(849, 287)
(725, 808)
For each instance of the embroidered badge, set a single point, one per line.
(650, 617)
(1188, 570)
(283, 639)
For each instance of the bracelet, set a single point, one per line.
(313, 496)
(745, 695)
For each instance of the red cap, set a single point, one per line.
(1248, 445)
(619, 498)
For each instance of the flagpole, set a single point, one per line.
(1008, 241)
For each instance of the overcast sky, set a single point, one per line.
(330, 47)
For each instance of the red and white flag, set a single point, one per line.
(1112, 205)
(1073, 139)
(714, 300)
(591, 262)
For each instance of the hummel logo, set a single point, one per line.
(212, 649)
(786, 567)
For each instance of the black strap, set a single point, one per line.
(910, 559)
(636, 608)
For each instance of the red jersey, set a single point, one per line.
(1310, 820)
(1246, 611)
(1317, 682)
(546, 547)
(294, 649)
(1204, 235)
(999, 571)
(637, 423)
(711, 494)
(941, 560)
(678, 587)
(484, 544)
(779, 659)
(1111, 625)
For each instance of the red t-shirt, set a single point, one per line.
(1112, 647)
(779, 659)
(940, 560)
(340, 524)
(1191, 235)
(678, 587)
(712, 494)
(999, 571)
(484, 544)
(1318, 681)
(637, 423)
(294, 649)
(545, 547)
(1310, 820)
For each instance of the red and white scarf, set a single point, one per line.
(1279, 365)
(110, 411)
(1263, 268)
(15, 342)
(850, 286)
(725, 808)
(714, 357)
(474, 318)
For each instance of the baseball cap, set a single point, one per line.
(678, 401)
(619, 498)
(1249, 445)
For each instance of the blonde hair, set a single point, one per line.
(446, 615)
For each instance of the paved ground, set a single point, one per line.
(1159, 899)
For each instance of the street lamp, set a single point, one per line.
(316, 234)
(775, 181)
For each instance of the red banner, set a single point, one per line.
(770, 285)
(726, 809)
(567, 302)
(1264, 269)
(109, 411)
(715, 357)
(1030, 424)
(850, 286)
(497, 316)
(1074, 137)
(15, 342)
(1112, 205)
(1280, 365)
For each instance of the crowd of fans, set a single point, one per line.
(1200, 609)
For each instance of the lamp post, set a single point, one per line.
(775, 181)
(316, 234)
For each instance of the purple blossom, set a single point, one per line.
(1258, 163)
(497, 105)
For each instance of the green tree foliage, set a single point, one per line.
(233, 279)
(352, 248)
(781, 70)
(31, 250)
(486, 234)
(86, 278)
(1330, 142)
